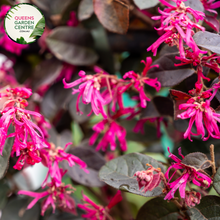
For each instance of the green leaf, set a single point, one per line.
(4, 159)
(119, 173)
(216, 181)
(16, 210)
(39, 28)
(72, 45)
(208, 209)
(158, 209)
(21, 40)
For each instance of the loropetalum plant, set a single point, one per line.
(172, 100)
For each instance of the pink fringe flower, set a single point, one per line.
(51, 157)
(209, 5)
(89, 90)
(13, 113)
(28, 156)
(98, 212)
(56, 196)
(138, 81)
(197, 60)
(177, 26)
(5, 41)
(112, 130)
(189, 174)
(148, 179)
(204, 117)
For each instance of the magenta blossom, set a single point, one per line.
(73, 21)
(51, 157)
(138, 81)
(204, 117)
(111, 130)
(5, 41)
(189, 174)
(10, 45)
(196, 59)
(56, 196)
(89, 90)
(177, 26)
(29, 155)
(209, 5)
(14, 113)
(98, 212)
(148, 179)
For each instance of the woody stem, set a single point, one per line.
(212, 153)
(176, 203)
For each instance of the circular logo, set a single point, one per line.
(24, 23)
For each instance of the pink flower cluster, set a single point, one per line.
(57, 193)
(14, 113)
(178, 26)
(102, 90)
(189, 173)
(5, 41)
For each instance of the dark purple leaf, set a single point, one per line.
(156, 108)
(150, 132)
(72, 45)
(158, 209)
(52, 7)
(164, 105)
(67, 216)
(46, 73)
(86, 109)
(195, 4)
(150, 111)
(55, 99)
(216, 181)
(113, 15)
(168, 74)
(178, 99)
(94, 161)
(208, 209)
(85, 10)
(119, 173)
(166, 50)
(143, 4)
(6, 153)
(16, 210)
(216, 80)
(4, 193)
(212, 22)
(207, 40)
(197, 160)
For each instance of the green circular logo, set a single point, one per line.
(24, 23)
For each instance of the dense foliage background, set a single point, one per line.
(112, 35)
